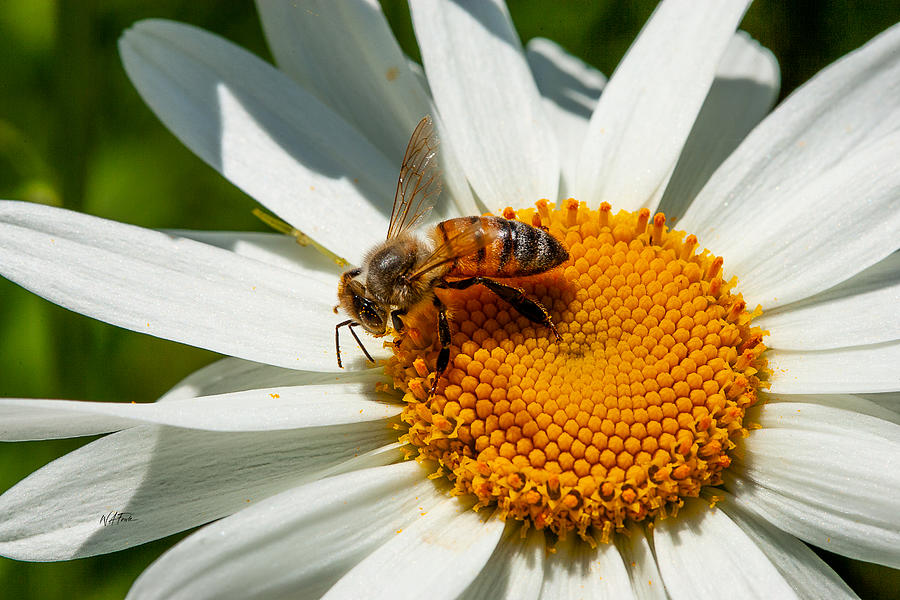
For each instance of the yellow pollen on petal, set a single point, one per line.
(634, 409)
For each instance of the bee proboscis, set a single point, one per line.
(403, 271)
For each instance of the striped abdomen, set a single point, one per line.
(510, 248)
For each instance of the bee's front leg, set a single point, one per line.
(396, 322)
(349, 324)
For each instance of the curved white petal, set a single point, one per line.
(450, 544)
(360, 72)
(33, 419)
(743, 92)
(167, 480)
(488, 100)
(870, 368)
(28, 419)
(454, 181)
(821, 526)
(651, 102)
(646, 582)
(274, 249)
(294, 544)
(701, 548)
(825, 475)
(822, 418)
(850, 402)
(804, 571)
(515, 570)
(252, 123)
(569, 88)
(419, 73)
(812, 196)
(267, 409)
(576, 570)
(859, 311)
(168, 287)
(236, 375)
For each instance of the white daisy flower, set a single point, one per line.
(675, 441)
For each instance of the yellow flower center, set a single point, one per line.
(634, 409)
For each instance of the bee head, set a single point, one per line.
(357, 303)
(387, 267)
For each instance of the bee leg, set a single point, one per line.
(527, 307)
(396, 322)
(349, 324)
(443, 359)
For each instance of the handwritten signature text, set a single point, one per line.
(115, 517)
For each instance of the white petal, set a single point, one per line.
(267, 409)
(795, 254)
(359, 69)
(822, 418)
(812, 195)
(569, 88)
(861, 310)
(515, 570)
(450, 544)
(890, 401)
(701, 548)
(295, 544)
(569, 83)
(743, 92)
(419, 73)
(277, 142)
(360, 72)
(32, 419)
(646, 582)
(388, 454)
(236, 375)
(651, 102)
(805, 572)
(849, 402)
(488, 100)
(576, 570)
(843, 370)
(454, 181)
(821, 526)
(271, 248)
(29, 419)
(825, 475)
(168, 480)
(168, 287)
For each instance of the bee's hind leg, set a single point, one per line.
(443, 359)
(527, 307)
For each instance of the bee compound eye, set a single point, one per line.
(373, 321)
(371, 316)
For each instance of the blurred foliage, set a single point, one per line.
(74, 133)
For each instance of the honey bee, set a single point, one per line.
(403, 271)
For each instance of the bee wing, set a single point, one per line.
(468, 241)
(419, 184)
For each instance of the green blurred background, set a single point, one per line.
(74, 133)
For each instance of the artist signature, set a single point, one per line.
(115, 517)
